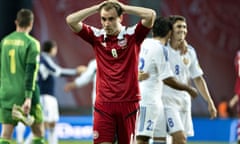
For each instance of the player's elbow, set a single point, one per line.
(73, 24)
(69, 20)
(149, 18)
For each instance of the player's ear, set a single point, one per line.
(16, 22)
(121, 18)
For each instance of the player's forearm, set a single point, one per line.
(30, 79)
(57, 70)
(74, 20)
(84, 79)
(203, 89)
(147, 15)
(65, 72)
(233, 100)
(173, 83)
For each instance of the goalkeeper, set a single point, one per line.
(19, 94)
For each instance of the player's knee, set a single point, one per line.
(38, 130)
(143, 139)
(180, 140)
(52, 124)
(6, 134)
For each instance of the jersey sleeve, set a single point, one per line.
(162, 63)
(50, 67)
(195, 69)
(141, 32)
(88, 75)
(32, 64)
(87, 33)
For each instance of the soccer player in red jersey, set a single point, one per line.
(117, 53)
(236, 98)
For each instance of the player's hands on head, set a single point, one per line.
(113, 1)
(118, 2)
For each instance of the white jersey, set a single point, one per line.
(153, 60)
(88, 76)
(184, 67)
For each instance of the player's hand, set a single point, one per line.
(142, 75)
(212, 110)
(118, 2)
(193, 92)
(183, 47)
(81, 69)
(100, 5)
(27, 106)
(70, 86)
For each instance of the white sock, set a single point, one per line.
(29, 138)
(20, 130)
(52, 136)
(169, 139)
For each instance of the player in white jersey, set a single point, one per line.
(185, 65)
(86, 77)
(154, 61)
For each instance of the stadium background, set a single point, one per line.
(214, 30)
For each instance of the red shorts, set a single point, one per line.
(115, 121)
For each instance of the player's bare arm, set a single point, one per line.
(147, 15)
(81, 69)
(75, 19)
(142, 75)
(233, 101)
(70, 86)
(174, 83)
(27, 105)
(202, 87)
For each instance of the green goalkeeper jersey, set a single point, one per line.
(19, 53)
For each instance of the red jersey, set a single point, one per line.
(237, 67)
(117, 61)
